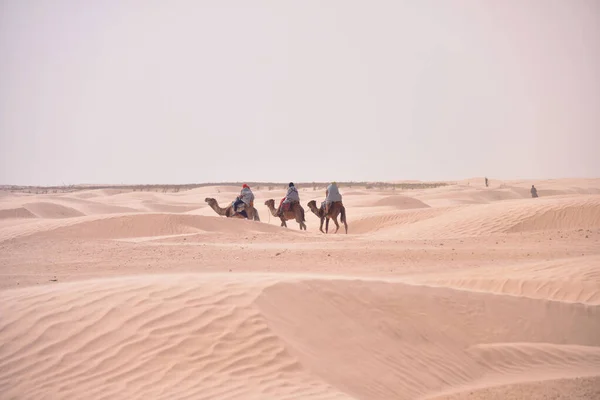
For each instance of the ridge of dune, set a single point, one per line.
(519, 357)
(19, 212)
(98, 209)
(111, 192)
(355, 193)
(87, 194)
(129, 197)
(400, 202)
(565, 291)
(171, 208)
(215, 189)
(568, 215)
(514, 368)
(90, 207)
(52, 210)
(463, 194)
(145, 225)
(383, 221)
(502, 217)
(491, 195)
(119, 226)
(567, 280)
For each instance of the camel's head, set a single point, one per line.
(270, 203)
(210, 200)
(312, 205)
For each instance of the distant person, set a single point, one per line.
(332, 194)
(246, 198)
(292, 196)
(486, 181)
(533, 192)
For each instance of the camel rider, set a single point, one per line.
(332, 194)
(292, 196)
(246, 197)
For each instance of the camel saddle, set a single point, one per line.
(285, 207)
(242, 206)
(331, 203)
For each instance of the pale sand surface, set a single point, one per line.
(558, 389)
(457, 292)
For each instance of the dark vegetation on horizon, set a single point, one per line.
(255, 185)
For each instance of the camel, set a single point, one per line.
(336, 208)
(228, 211)
(296, 213)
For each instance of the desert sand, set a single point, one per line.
(455, 292)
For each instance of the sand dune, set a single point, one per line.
(146, 225)
(382, 221)
(164, 337)
(536, 357)
(464, 194)
(234, 336)
(385, 324)
(218, 189)
(135, 225)
(91, 207)
(61, 206)
(52, 210)
(20, 212)
(171, 208)
(111, 192)
(568, 280)
(457, 292)
(494, 218)
(87, 194)
(556, 389)
(566, 215)
(400, 202)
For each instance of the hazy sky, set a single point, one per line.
(193, 91)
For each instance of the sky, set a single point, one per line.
(190, 91)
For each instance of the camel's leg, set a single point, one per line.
(321, 227)
(283, 223)
(343, 218)
(337, 226)
(298, 216)
(299, 221)
(327, 225)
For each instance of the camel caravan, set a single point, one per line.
(289, 208)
